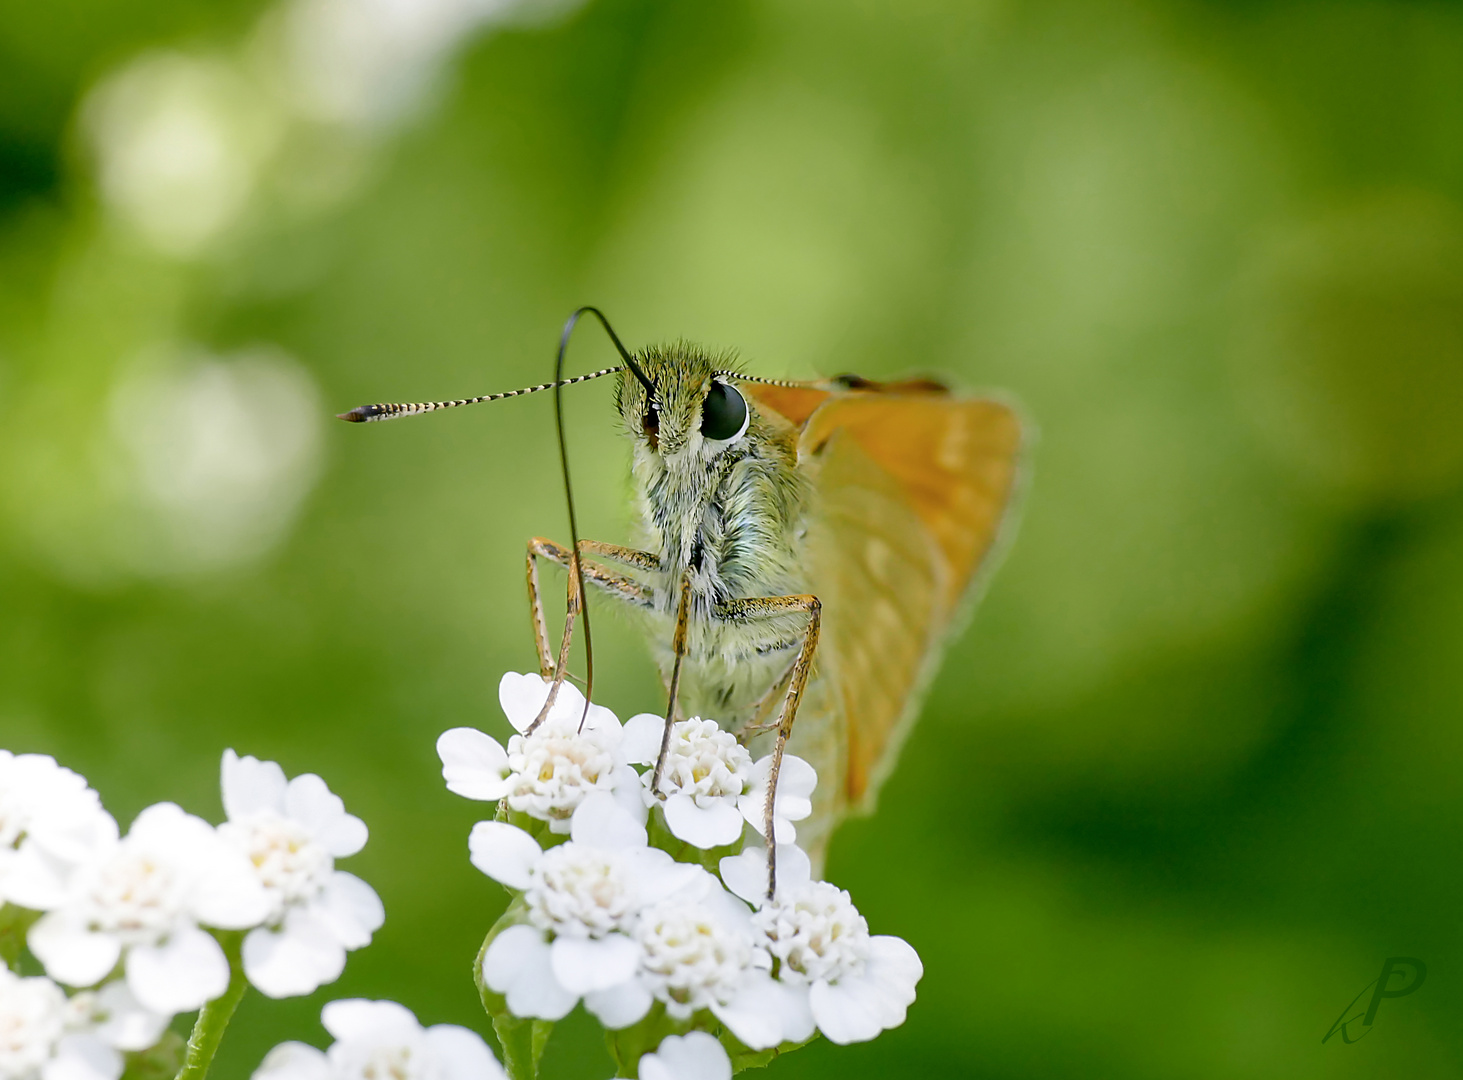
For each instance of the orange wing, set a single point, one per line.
(913, 485)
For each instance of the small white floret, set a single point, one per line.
(693, 1056)
(703, 952)
(141, 901)
(32, 1022)
(50, 822)
(546, 774)
(795, 783)
(114, 1015)
(292, 831)
(46, 1036)
(581, 902)
(710, 785)
(705, 774)
(745, 873)
(853, 985)
(381, 1040)
(856, 985)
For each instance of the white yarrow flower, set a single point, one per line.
(547, 774)
(45, 1036)
(32, 1021)
(140, 901)
(710, 784)
(292, 832)
(705, 953)
(381, 1040)
(582, 900)
(854, 984)
(795, 784)
(706, 771)
(113, 1014)
(49, 822)
(693, 1056)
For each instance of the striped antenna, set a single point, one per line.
(391, 410)
(795, 384)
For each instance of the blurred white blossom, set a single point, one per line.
(113, 1014)
(217, 455)
(179, 141)
(375, 1040)
(198, 462)
(49, 821)
(43, 1038)
(187, 143)
(745, 873)
(366, 63)
(292, 831)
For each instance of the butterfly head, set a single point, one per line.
(694, 414)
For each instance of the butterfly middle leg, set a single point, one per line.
(618, 585)
(766, 705)
(772, 607)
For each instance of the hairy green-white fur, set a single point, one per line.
(731, 512)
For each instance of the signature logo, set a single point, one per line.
(1381, 987)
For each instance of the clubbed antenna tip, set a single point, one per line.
(360, 414)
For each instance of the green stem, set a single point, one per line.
(213, 1018)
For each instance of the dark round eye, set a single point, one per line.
(724, 414)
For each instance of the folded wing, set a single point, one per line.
(913, 485)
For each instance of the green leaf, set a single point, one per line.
(522, 1041)
(14, 923)
(744, 1058)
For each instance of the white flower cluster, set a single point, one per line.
(127, 927)
(710, 784)
(45, 1035)
(381, 1040)
(648, 906)
(606, 918)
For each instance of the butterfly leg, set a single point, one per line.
(615, 584)
(759, 711)
(769, 607)
(678, 648)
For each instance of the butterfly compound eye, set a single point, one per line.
(724, 413)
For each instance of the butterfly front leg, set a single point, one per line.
(772, 607)
(626, 589)
(678, 652)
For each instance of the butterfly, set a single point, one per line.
(805, 550)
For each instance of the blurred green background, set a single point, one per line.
(1191, 774)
